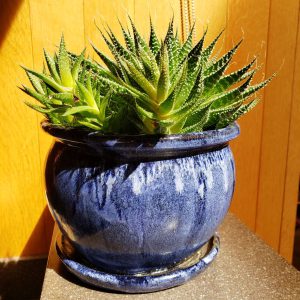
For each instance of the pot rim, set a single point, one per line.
(58, 131)
(144, 145)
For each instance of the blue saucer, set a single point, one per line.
(142, 282)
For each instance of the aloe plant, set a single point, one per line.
(69, 94)
(162, 87)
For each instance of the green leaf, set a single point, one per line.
(225, 121)
(144, 113)
(154, 43)
(225, 82)
(45, 110)
(52, 67)
(36, 83)
(39, 97)
(167, 106)
(128, 39)
(187, 46)
(140, 79)
(82, 75)
(225, 59)
(208, 51)
(187, 88)
(195, 117)
(118, 70)
(76, 66)
(138, 40)
(108, 62)
(230, 98)
(195, 122)
(49, 81)
(150, 68)
(122, 88)
(117, 45)
(211, 80)
(89, 125)
(183, 111)
(164, 81)
(107, 42)
(170, 33)
(64, 97)
(103, 105)
(64, 65)
(88, 83)
(80, 109)
(178, 77)
(176, 126)
(197, 89)
(254, 88)
(86, 95)
(195, 54)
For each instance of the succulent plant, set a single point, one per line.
(69, 95)
(154, 87)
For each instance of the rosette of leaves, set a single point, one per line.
(175, 87)
(152, 87)
(68, 94)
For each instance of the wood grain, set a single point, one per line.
(49, 21)
(277, 109)
(249, 20)
(100, 14)
(266, 153)
(211, 14)
(160, 11)
(21, 198)
(291, 188)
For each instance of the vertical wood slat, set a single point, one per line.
(21, 175)
(212, 14)
(293, 165)
(160, 11)
(20, 189)
(103, 13)
(48, 22)
(248, 19)
(208, 13)
(277, 108)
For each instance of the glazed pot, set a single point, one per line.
(132, 204)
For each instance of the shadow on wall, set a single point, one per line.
(23, 279)
(42, 232)
(8, 11)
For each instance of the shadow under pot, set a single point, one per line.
(139, 213)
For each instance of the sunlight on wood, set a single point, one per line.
(265, 152)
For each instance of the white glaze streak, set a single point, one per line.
(179, 185)
(182, 168)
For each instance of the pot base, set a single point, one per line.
(142, 282)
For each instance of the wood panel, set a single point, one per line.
(277, 108)
(212, 14)
(293, 165)
(100, 14)
(20, 185)
(160, 11)
(267, 152)
(48, 22)
(249, 20)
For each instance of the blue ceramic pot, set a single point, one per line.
(132, 204)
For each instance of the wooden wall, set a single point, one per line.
(267, 152)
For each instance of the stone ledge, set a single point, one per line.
(246, 268)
